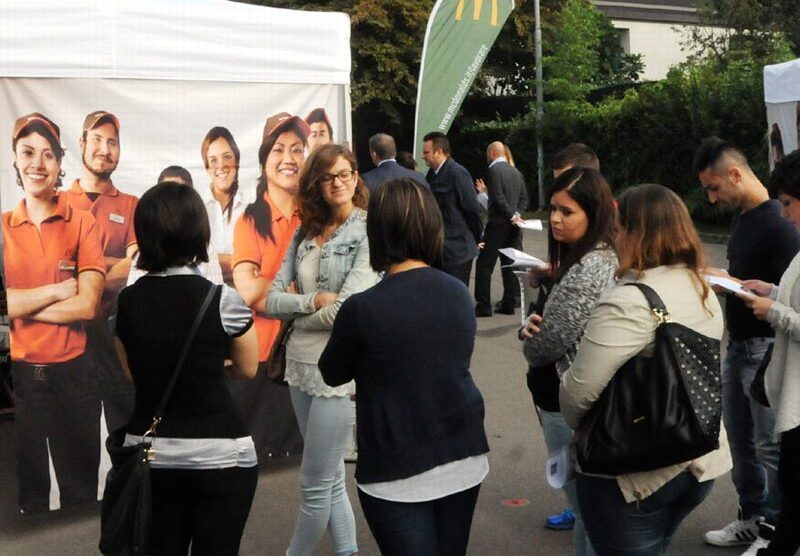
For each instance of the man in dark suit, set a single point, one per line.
(508, 199)
(452, 186)
(382, 149)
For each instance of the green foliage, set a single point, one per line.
(650, 133)
(746, 25)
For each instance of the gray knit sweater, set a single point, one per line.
(567, 309)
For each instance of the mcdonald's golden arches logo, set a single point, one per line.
(477, 8)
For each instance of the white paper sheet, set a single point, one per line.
(727, 284)
(532, 224)
(521, 260)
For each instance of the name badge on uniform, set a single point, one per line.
(118, 218)
(66, 266)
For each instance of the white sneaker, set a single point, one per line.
(765, 533)
(739, 532)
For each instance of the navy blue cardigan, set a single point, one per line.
(407, 342)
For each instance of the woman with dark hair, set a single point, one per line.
(582, 265)
(54, 275)
(780, 306)
(205, 469)
(657, 246)
(225, 205)
(260, 240)
(407, 343)
(327, 261)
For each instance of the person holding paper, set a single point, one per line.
(780, 307)
(637, 514)
(761, 246)
(582, 262)
(508, 199)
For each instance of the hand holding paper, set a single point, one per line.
(531, 224)
(520, 259)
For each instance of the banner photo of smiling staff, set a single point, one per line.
(92, 134)
(458, 38)
(782, 97)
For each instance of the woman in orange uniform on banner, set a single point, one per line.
(260, 240)
(54, 277)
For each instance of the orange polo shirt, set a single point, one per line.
(67, 245)
(249, 247)
(113, 212)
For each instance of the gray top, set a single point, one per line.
(782, 379)
(568, 307)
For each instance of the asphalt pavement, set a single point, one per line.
(514, 499)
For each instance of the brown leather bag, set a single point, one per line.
(276, 362)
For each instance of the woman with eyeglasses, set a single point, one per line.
(326, 263)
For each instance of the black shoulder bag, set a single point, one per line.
(126, 515)
(659, 410)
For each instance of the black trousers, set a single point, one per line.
(57, 418)
(205, 507)
(116, 391)
(460, 271)
(786, 541)
(497, 235)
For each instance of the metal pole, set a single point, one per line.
(537, 39)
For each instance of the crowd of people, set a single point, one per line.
(363, 279)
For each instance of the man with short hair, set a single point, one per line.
(383, 151)
(575, 155)
(113, 212)
(761, 246)
(451, 184)
(321, 129)
(508, 199)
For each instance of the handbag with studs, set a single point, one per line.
(658, 410)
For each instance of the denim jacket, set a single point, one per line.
(343, 269)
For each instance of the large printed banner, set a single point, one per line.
(458, 38)
(134, 87)
(782, 97)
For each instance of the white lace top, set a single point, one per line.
(305, 346)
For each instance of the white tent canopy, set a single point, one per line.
(210, 40)
(781, 94)
(782, 82)
(171, 70)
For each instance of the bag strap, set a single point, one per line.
(653, 299)
(181, 359)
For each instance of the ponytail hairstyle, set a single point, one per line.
(213, 134)
(259, 210)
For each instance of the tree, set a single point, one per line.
(752, 26)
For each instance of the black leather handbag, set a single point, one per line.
(656, 411)
(126, 514)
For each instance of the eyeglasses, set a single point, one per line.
(345, 176)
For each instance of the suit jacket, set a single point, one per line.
(391, 170)
(455, 194)
(507, 192)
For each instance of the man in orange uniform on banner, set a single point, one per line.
(113, 212)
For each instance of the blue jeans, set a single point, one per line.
(557, 434)
(750, 427)
(619, 528)
(436, 528)
(325, 424)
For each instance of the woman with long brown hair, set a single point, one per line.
(326, 263)
(657, 246)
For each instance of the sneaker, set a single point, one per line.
(739, 532)
(765, 533)
(561, 522)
